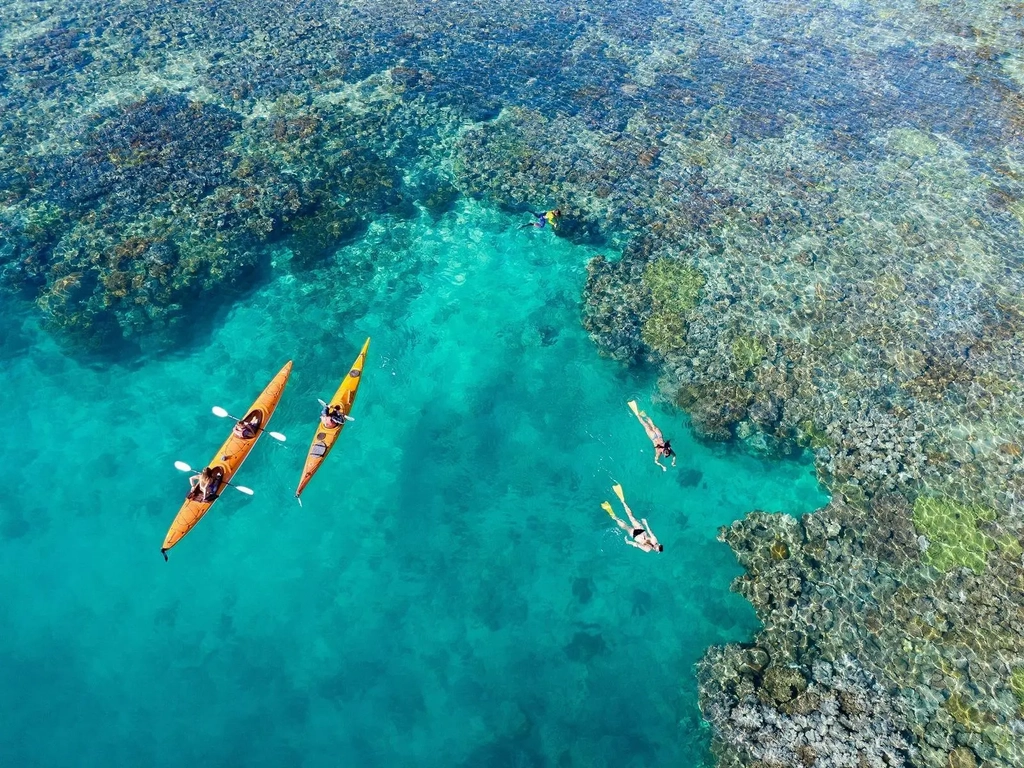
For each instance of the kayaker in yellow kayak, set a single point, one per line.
(662, 447)
(639, 532)
(332, 416)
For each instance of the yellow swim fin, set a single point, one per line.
(632, 406)
(608, 508)
(618, 492)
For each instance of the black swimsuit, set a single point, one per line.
(637, 532)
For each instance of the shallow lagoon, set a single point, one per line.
(450, 594)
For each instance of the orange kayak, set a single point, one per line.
(228, 459)
(325, 437)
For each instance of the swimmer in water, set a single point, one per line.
(543, 219)
(639, 533)
(662, 447)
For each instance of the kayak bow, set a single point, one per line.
(228, 459)
(325, 437)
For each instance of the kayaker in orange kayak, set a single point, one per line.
(227, 460)
(204, 485)
(248, 427)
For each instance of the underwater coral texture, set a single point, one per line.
(819, 208)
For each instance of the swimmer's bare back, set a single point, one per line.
(661, 445)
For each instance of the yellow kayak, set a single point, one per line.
(326, 436)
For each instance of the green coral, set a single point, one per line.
(747, 353)
(1017, 685)
(953, 533)
(971, 718)
(811, 435)
(1009, 546)
(674, 286)
(675, 290)
(664, 331)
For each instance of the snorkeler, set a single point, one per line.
(639, 532)
(543, 219)
(662, 447)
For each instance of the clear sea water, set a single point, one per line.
(451, 594)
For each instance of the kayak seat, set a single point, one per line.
(318, 449)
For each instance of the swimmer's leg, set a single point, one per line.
(611, 513)
(618, 492)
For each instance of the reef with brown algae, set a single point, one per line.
(167, 202)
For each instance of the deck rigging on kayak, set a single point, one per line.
(227, 460)
(333, 418)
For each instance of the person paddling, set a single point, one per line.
(662, 447)
(204, 485)
(639, 533)
(332, 416)
(247, 428)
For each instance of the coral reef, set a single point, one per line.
(952, 537)
(864, 603)
(838, 716)
(818, 211)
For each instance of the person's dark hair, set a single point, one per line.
(666, 448)
(661, 547)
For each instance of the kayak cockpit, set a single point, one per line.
(249, 427)
(212, 491)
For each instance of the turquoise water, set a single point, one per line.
(450, 594)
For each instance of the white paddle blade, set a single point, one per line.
(243, 489)
(182, 466)
(218, 411)
(277, 436)
(349, 418)
(322, 403)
